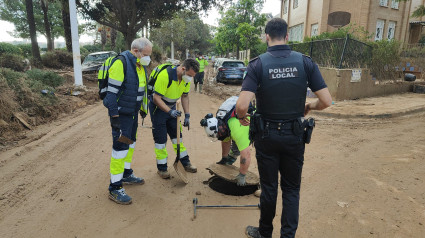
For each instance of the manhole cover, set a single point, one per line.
(230, 188)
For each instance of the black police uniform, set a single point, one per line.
(279, 78)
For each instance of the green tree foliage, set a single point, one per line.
(240, 26)
(14, 11)
(355, 32)
(186, 30)
(129, 16)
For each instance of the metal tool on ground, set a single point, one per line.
(195, 206)
(178, 166)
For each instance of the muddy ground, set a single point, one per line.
(361, 178)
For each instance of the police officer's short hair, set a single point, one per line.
(141, 43)
(191, 64)
(277, 29)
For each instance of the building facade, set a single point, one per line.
(385, 19)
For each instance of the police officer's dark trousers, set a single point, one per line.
(280, 150)
(163, 124)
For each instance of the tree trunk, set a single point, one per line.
(66, 24)
(45, 8)
(237, 51)
(129, 37)
(33, 35)
(103, 38)
(114, 34)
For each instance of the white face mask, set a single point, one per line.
(145, 60)
(187, 78)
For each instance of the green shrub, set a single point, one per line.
(385, 57)
(26, 49)
(258, 49)
(45, 77)
(14, 79)
(92, 48)
(12, 61)
(57, 59)
(9, 48)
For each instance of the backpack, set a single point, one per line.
(102, 78)
(154, 77)
(225, 111)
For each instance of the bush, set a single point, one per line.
(385, 57)
(9, 48)
(258, 49)
(92, 48)
(45, 77)
(26, 50)
(57, 59)
(12, 61)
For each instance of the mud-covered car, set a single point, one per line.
(93, 61)
(230, 71)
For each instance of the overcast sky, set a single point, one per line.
(270, 6)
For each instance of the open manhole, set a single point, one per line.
(223, 186)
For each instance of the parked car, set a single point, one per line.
(93, 61)
(217, 63)
(230, 71)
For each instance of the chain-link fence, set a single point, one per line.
(336, 53)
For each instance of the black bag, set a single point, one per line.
(102, 80)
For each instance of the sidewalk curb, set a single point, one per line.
(380, 116)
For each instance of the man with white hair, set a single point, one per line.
(125, 98)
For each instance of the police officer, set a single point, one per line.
(164, 114)
(279, 80)
(124, 99)
(199, 77)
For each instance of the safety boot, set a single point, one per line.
(164, 174)
(190, 168)
(132, 179)
(119, 196)
(253, 232)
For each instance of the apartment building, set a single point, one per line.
(386, 19)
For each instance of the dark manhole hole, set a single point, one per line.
(230, 188)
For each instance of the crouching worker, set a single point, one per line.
(233, 136)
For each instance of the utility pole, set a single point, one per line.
(78, 75)
(172, 42)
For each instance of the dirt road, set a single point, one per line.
(361, 178)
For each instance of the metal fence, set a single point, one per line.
(337, 53)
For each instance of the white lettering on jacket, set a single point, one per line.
(282, 73)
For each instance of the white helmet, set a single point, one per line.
(211, 127)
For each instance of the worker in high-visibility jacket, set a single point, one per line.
(125, 99)
(170, 85)
(199, 77)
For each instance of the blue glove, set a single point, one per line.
(240, 180)
(174, 113)
(186, 122)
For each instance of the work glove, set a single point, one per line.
(222, 161)
(115, 123)
(174, 113)
(186, 120)
(143, 114)
(240, 179)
